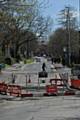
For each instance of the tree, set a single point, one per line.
(65, 37)
(57, 43)
(68, 18)
(20, 21)
(69, 22)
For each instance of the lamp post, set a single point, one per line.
(65, 55)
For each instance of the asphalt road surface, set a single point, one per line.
(40, 108)
(48, 108)
(33, 70)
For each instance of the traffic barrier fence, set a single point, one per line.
(3, 88)
(14, 90)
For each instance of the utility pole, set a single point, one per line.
(79, 29)
(68, 35)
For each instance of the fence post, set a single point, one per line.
(26, 81)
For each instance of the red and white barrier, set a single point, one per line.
(14, 90)
(3, 87)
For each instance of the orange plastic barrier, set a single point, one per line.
(51, 89)
(9, 89)
(75, 84)
(67, 93)
(26, 95)
(3, 87)
(14, 90)
(58, 82)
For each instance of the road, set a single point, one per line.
(48, 108)
(33, 70)
(40, 108)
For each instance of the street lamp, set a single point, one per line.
(65, 55)
(37, 34)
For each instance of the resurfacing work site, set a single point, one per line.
(34, 105)
(41, 108)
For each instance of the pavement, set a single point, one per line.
(48, 108)
(37, 108)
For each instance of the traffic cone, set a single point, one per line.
(29, 81)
